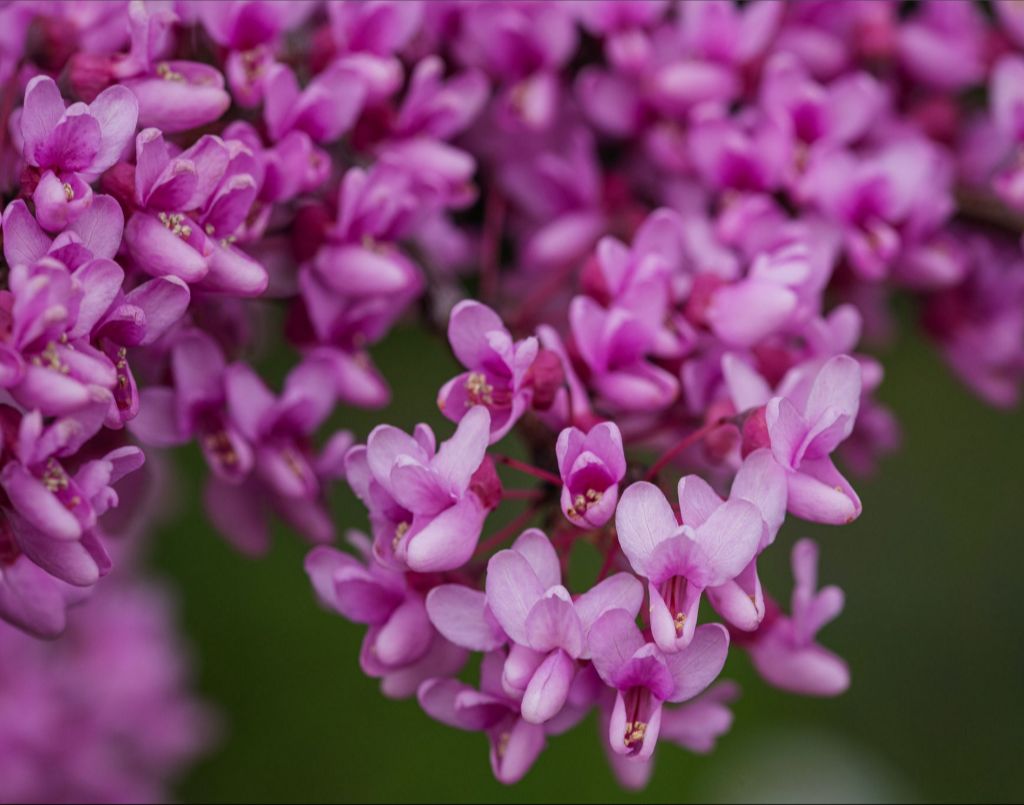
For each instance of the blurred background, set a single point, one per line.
(931, 631)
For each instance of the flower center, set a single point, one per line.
(400, 532)
(479, 390)
(173, 221)
(581, 503)
(69, 191)
(163, 69)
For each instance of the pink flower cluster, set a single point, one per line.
(677, 219)
(103, 714)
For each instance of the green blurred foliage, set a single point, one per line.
(931, 630)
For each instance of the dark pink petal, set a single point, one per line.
(810, 671)
(42, 111)
(819, 493)
(729, 539)
(24, 240)
(160, 252)
(117, 112)
(232, 271)
(621, 591)
(406, 635)
(100, 226)
(54, 210)
(468, 325)
(164, 301)
(460, 456)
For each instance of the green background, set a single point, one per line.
(931, 631)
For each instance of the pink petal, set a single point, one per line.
(549, 688)
(697, 500)
(643, 519)
(459, 613)
(512, 591)
(534, 546)
(699, 664)
(450, 539)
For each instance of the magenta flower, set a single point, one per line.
(762, 482)
(425, 510)
(95, 233)
(401, 648)
(695, 725)
(72, 146)
(545, 625)
(497, 366)
(288, 476)
(48, 362)
(591, 465)
(805, 428)
(195, 407)
(190, 209)
(783, 649)
(644, 677)
(614, 344)
(515, 742)
(681, 561)
(173, 95)
(50, 550)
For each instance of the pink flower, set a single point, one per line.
(497, 366)
(401, 648)
(72, 146)
(423, 508)
(591, 465)
(644, 677)
(714, 548)
(783, 649)
(805, 428)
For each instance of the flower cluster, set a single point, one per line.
(102, 715)
(656, 233)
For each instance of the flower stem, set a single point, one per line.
(522, 494)
(517, 524)
(681, 445)
(529, 469)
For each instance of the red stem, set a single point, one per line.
(681, 445)
(503, 534)
(529, 469)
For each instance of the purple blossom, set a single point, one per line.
(400, 648)
(783, 649)
(425, 509)
(644, 677)
(546, 627)
(72, 146)
(497, 364)
(805, 428)
(591, 465)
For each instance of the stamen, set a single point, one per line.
(400, 532)
(69, 191)
(479, 390)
